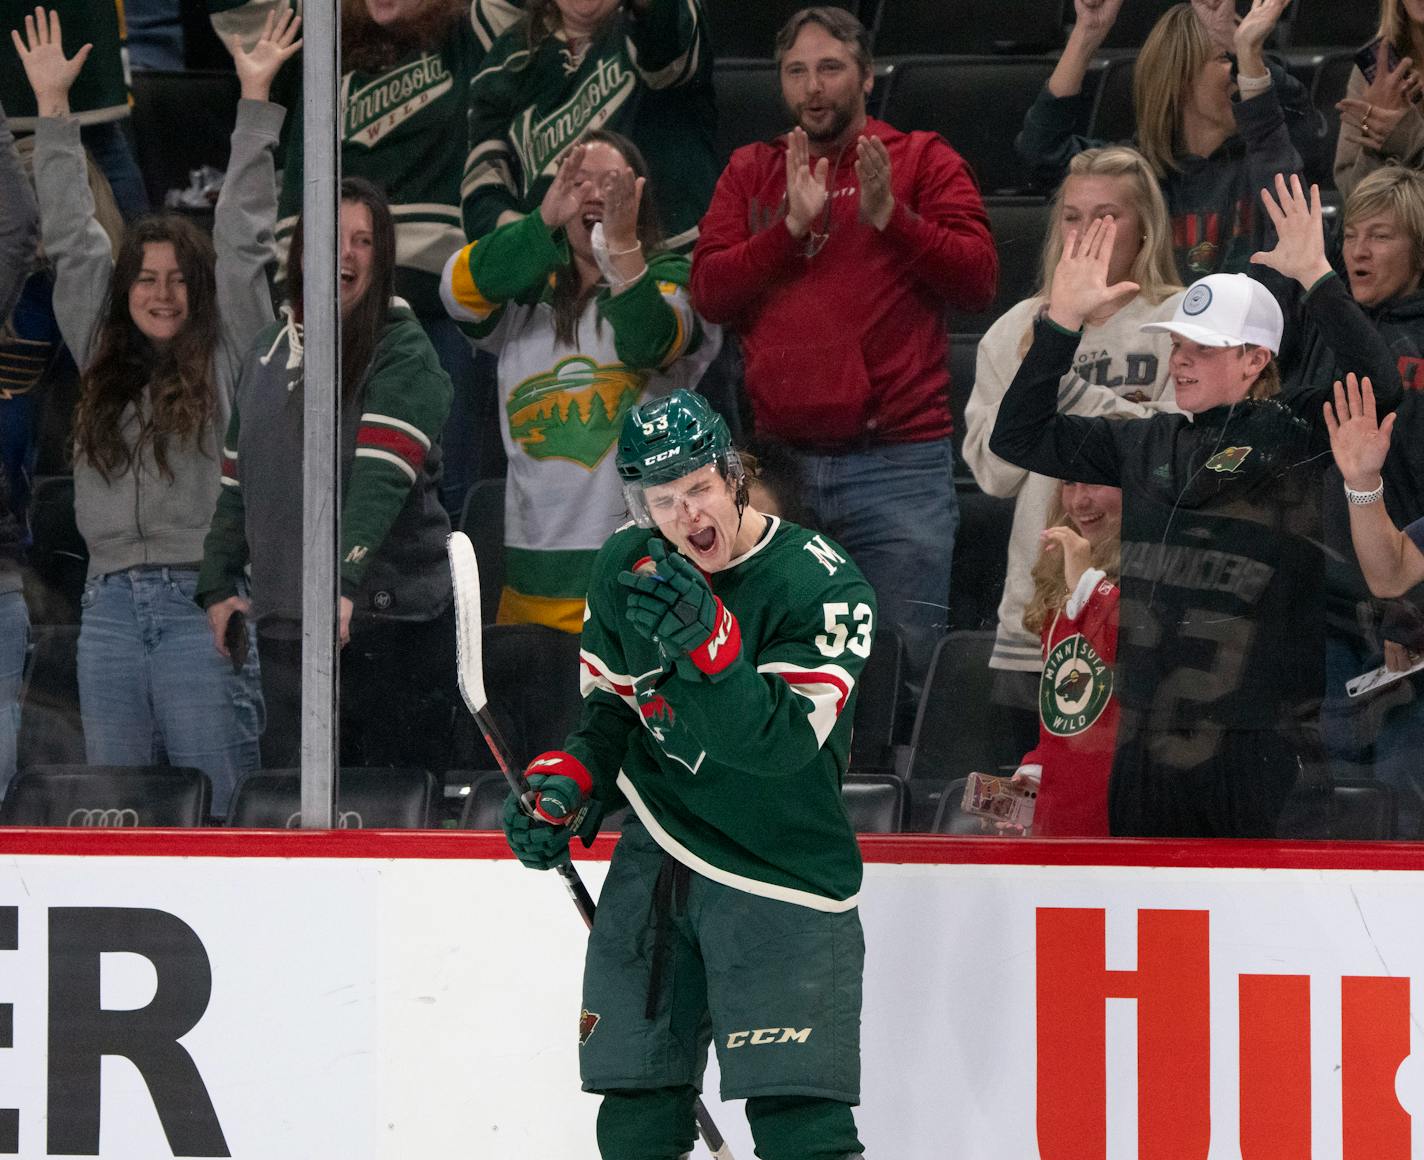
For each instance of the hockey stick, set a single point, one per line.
(470, 670)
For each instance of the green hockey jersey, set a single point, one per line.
(646, 76)
(740, 778)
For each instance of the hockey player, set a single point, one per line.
(720, 658)
(1220, 650)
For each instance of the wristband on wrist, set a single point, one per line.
(1363, 498)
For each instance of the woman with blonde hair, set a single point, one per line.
(1118, 372)
(1215, 133)
(1074, 612)
(1380, 116)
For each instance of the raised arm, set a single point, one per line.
(1390, 559)
(668, 42)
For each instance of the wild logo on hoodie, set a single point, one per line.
(574, 411)
(1076, 687)
(378, 108)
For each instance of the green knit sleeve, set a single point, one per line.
(225, 551)
(512, 264)
(653, 322)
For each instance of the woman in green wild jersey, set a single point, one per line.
(721, 656)
(588, 314)
(640, 67)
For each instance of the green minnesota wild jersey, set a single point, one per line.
(647, 76)
(740, 778)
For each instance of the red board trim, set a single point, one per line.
(887, 848)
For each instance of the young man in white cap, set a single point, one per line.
(1220, 653)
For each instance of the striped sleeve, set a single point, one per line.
(404, 406)
(489, 185)
(492, 18)
(826, 689)
(653, 321)
(667, 43)
(512, 263)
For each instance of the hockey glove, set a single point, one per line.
(541, 844)
(675, 608)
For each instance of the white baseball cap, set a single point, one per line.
(1227, 310)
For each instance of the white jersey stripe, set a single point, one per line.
(827, 688)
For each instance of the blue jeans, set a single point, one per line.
(152, 686)
(14, 640)
(893, 508)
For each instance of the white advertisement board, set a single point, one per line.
(382, 1005)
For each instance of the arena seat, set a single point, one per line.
(877, 802)
(968, 26)
(1134, 22)
(181, 121)
(1330, 22)
(51, 732)
(1019, 225)
(949, 818)
(976, 102)
(877, 702)
(482, 519)
(1332, 77)
(952, 736)
(1342, 810)
(367, 799)
(532, 679)
(107, 796)
(749, 105)
(1113, 117)
(740, 29)
(58, 554)
(981, 549)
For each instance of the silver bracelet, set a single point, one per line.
(1363, 498)
(633, 249)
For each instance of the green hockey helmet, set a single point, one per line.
(665, 439)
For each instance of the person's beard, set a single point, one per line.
(841, 117)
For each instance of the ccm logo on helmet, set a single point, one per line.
(765, 1035)
(661, 455)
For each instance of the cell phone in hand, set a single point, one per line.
(1369, 65)
(235, 638)
(999, 799)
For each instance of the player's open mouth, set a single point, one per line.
(703, 541)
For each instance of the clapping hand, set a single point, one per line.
(622, 195)
(256, 67)
(872, 170)
(1358, 440)
(1080, 287)
(50, 74)
(1300, 232)
(806, 192)
(564, 197)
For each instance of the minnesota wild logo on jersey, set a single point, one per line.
(1076, 687)
(658, 716)
(574, 411)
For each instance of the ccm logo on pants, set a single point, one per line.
(763, 1035)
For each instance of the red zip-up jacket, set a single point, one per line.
(848, 344)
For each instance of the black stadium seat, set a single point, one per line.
(367, 799)
(1019, 226)
(968, 26)
(876, 704)
(951, 736)
(1344, 23)
(876, 802)
(106, 796)
(59, 555)
(963, 355)
(742, 29)
(749, 105)
(981, 548)
(1114, 118)
(482, 519)
(1332, 77)
(949, 818)
(977, 103)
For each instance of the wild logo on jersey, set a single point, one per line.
(540, 142)
(661, 722)
(378, 108)
(573, 412)
(1076, 687)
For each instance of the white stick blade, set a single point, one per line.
(469, 640)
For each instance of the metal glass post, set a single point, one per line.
(321, 385)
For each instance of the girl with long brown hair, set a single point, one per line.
(589, 314)
(158, 332)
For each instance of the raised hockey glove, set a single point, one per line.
(674, 607)
(539, 842)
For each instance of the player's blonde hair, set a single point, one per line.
(1176, 50)
(1050, 592)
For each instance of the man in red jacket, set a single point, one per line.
(833, 252)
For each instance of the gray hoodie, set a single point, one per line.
(18, 229)
(141, 517)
